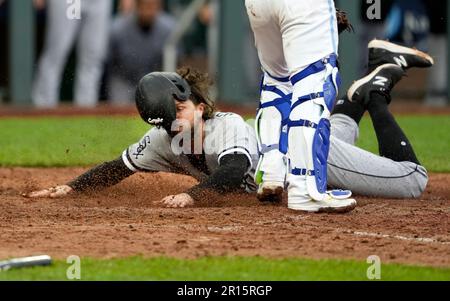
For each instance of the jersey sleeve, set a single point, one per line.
(149, 154)
(232, 135)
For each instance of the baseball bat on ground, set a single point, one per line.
(25, 262)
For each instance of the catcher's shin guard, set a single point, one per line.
(272, 129)
(314, 93)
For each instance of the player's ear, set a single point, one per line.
(201, 108)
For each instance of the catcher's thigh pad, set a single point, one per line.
(315, 90)
(272, 128)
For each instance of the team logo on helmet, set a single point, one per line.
(156, 121)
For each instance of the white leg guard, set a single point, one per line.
(272, 129)
(315, 90)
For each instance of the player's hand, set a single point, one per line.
(53, 192)
(178, 201)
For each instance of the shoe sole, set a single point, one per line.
(356, 85)
(337, 210)
(394, 48)
(344, 209)
(269, 195)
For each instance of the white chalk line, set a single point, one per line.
(399, 237)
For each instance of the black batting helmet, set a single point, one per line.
(155, 97)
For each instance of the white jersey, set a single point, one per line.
(225, 133)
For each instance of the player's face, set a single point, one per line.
(147, 11)
(189, 113)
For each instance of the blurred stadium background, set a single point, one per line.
(214, 35)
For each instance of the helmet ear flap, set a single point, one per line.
(170, 113)
(166, 110)
(155, 100)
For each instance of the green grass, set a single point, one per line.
(82, 141)
(429, 135)
(74, 141)
(226, 268)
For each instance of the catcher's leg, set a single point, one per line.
(275, 98)
(271, 129)
(314, 92)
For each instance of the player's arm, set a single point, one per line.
(110, 173)
(102, 176)
(227, 177)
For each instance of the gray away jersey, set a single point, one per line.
(225, 133)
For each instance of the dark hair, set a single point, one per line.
(200, 83)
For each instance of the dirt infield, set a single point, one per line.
(124, 220)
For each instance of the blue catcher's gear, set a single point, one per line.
(315, 91)
(272, 129)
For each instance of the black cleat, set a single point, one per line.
(381, 80)
(383, 52)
